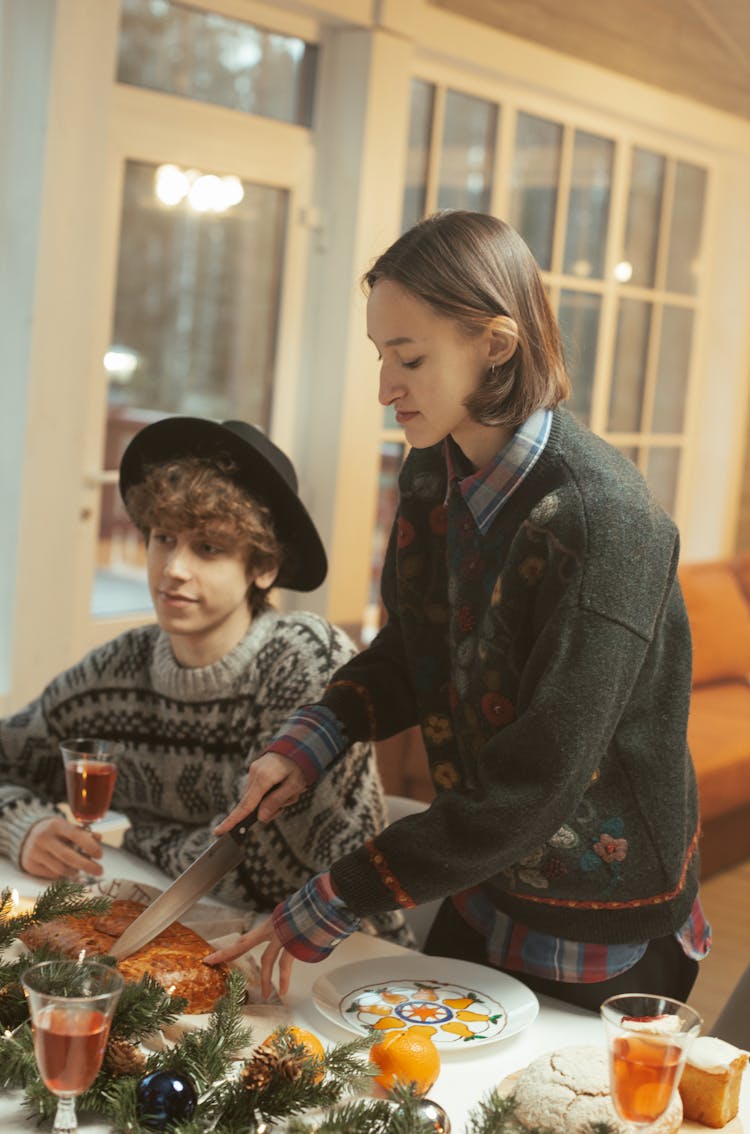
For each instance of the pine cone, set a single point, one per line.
(264, 1064)
(122, 1058)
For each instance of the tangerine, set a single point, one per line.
(408, 1056)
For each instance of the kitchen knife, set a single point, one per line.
(223, 855)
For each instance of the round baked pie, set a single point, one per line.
(174, 958)
(568, 1091)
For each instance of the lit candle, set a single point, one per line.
(19, 905)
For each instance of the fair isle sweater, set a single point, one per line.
(548, 662)
(190, 736)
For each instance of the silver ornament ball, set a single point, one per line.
(435, 1114)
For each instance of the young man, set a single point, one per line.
(198, 696)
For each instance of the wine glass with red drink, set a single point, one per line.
(71, 1006)
(648, 1038)
(90, 775)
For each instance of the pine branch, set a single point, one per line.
(342, 1063)
(355, 1116)
(495, 1114)
(60, 899)
(144, 1007)
(206, 1054)
(17, 1063)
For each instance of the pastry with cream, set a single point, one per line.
(711, 1081)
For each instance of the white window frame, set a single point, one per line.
(74, 306)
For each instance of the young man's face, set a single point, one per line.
(199, 582)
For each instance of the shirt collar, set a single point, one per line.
(486, 491)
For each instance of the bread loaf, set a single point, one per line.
(174, 958)
(568, 1091)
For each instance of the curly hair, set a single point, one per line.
(200, 493)
(472, 267)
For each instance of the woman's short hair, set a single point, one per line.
(472, 267)
(200, 494)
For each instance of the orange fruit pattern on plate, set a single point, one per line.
(456, 1015)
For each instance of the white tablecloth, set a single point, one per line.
(464, 1078)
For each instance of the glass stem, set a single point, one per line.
(65, 1117)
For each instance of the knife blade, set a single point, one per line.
(224, 854)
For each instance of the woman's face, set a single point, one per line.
(428, 369)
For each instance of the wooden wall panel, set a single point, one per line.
(696, 48)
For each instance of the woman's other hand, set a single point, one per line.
(274, 950)
(308, 925)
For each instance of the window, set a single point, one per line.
(166, 46)
(625, 283)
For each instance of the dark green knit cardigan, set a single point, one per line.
(548, 663)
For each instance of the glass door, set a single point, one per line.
(196, 308)
(204, 267)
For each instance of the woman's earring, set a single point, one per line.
(493, 370)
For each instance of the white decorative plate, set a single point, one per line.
(463, 1004)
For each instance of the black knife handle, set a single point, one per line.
(241, 830)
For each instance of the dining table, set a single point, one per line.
(467, 1074)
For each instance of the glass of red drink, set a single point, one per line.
(648, 1038)
(90, 776)
(71, 1006)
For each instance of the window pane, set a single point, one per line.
(417, 158)
(672, 374)
(686, 228)
(644, 214)
(391, 458)
(579, 325)
(662, 471)
(194, 330)
(588, 209)
(201, 55)
(536, 171)
(468, 153)
(629, 372)
(629, 451)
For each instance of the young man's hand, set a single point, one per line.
(271, 775)
(55, 848)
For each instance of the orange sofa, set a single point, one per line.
(717, 596)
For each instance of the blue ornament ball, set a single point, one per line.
(165, 1097)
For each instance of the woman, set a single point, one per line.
(536, 632)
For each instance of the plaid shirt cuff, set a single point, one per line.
(313, 738)
(313, 921)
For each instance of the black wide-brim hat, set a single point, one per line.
(263, 470)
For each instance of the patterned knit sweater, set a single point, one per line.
(548, 663)
(191, 735)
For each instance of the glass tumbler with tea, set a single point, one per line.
(648, 1038)
(71, 1004)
